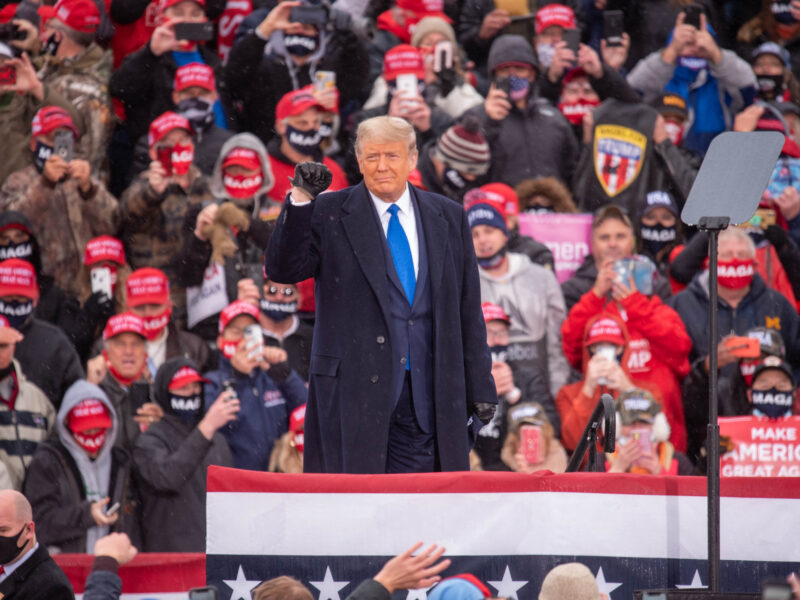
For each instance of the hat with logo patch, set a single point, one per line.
(485, 214)
(242, 157)
(403, 59)
(769, 340)
(49, 118)
(555, 15)
(776, 363)
(657, 198)
(18, 278)
(236, 309)
(671, 104)
(526, 413)
(147, 286)
(493, 312)
(605, 329)
(123, 323)
(296, 102)
(80, 15)
(184, 376)
(103, 248)
(90, 413)
(194, 75)
(637, 405)
(165, 123)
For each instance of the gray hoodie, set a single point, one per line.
(251, 142)
(96, 474)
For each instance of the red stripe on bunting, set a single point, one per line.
(221, 479)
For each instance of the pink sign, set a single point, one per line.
(761, 447)
(568, 236)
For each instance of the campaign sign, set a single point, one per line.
(568, 236)
(762, 447)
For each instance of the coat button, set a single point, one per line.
(380, 339)
(411, 321)
(403, 360)
(374, 379)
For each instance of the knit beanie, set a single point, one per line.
(431, 25)
(464, 148)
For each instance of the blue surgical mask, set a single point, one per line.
(278, 311)
(17, 313)
(304, 142)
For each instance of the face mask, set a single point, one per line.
(153, 326)
(769, 86)
(18, 313)
(657, 237)
(242, 186)
(693, 63)
(520, 86)
(278, 311)
(747, 368)
(23, 251)
(198, 111)
(674, 132)
(772, 403)
(228, 348)
(188, 408)
(539, 209)
(51, 45)
(545, 52)
(574, 111)
(8, 547)
(182, 157)
(453, 178)
(40, 155)
(300, 45)
(491, 262)
(90, 443)
(499, 353)
(781, 10)
(304, 142)
(735, 273)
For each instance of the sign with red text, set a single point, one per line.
(568, 236)
(762, 447)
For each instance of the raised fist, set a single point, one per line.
(313, 178)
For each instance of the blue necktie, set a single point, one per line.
(401, 254)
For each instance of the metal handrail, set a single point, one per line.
(603, 411)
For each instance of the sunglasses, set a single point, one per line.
(284, 291)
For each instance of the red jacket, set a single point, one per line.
(658, 350)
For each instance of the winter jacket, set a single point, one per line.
(260, 72)
(583, 281)
(83, 80)
(297, 343)
(48, 359)
(23, 427)
(761, 307)
(574, 406)
(144, 84)
(64, 219)
(16, 114)
(621, 163)
(266, 400)
(247, 262)
(154, 227)
(658, 348)
(732, 78)
(534, 142)
(532, 299)
(171, 459)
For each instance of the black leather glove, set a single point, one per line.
(98, 307)
(777, 236)
(312, 177)
(484, 411)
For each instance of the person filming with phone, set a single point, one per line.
(58, 178)
(260, 376)
(79, 483)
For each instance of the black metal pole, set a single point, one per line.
(712, 439)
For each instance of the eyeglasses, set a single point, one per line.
(284, 291)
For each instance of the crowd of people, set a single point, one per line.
(150, 150)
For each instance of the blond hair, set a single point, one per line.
(386, 130)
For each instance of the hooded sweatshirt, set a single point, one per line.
(573, 405)
(531, 297)
(95, 473)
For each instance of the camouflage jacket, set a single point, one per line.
(154, 228)
(83, 80)
(63, 218)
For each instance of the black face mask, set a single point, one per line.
(199, 112)
(40, 155)
(301, 45)
(8, 547)
(769, 86)
(499, 352)
(304, 142)
(188, 408)
(278, 311)
(658, 237)
(772, 402)
(16, 313)
(51, 45)
(23, 250)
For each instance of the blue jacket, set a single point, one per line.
(265, 407)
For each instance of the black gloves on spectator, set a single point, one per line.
(312, 177)
(484, 411)
(99, 308)
(777, 236)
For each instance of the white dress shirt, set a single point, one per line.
(407, 221)
(9, 569)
